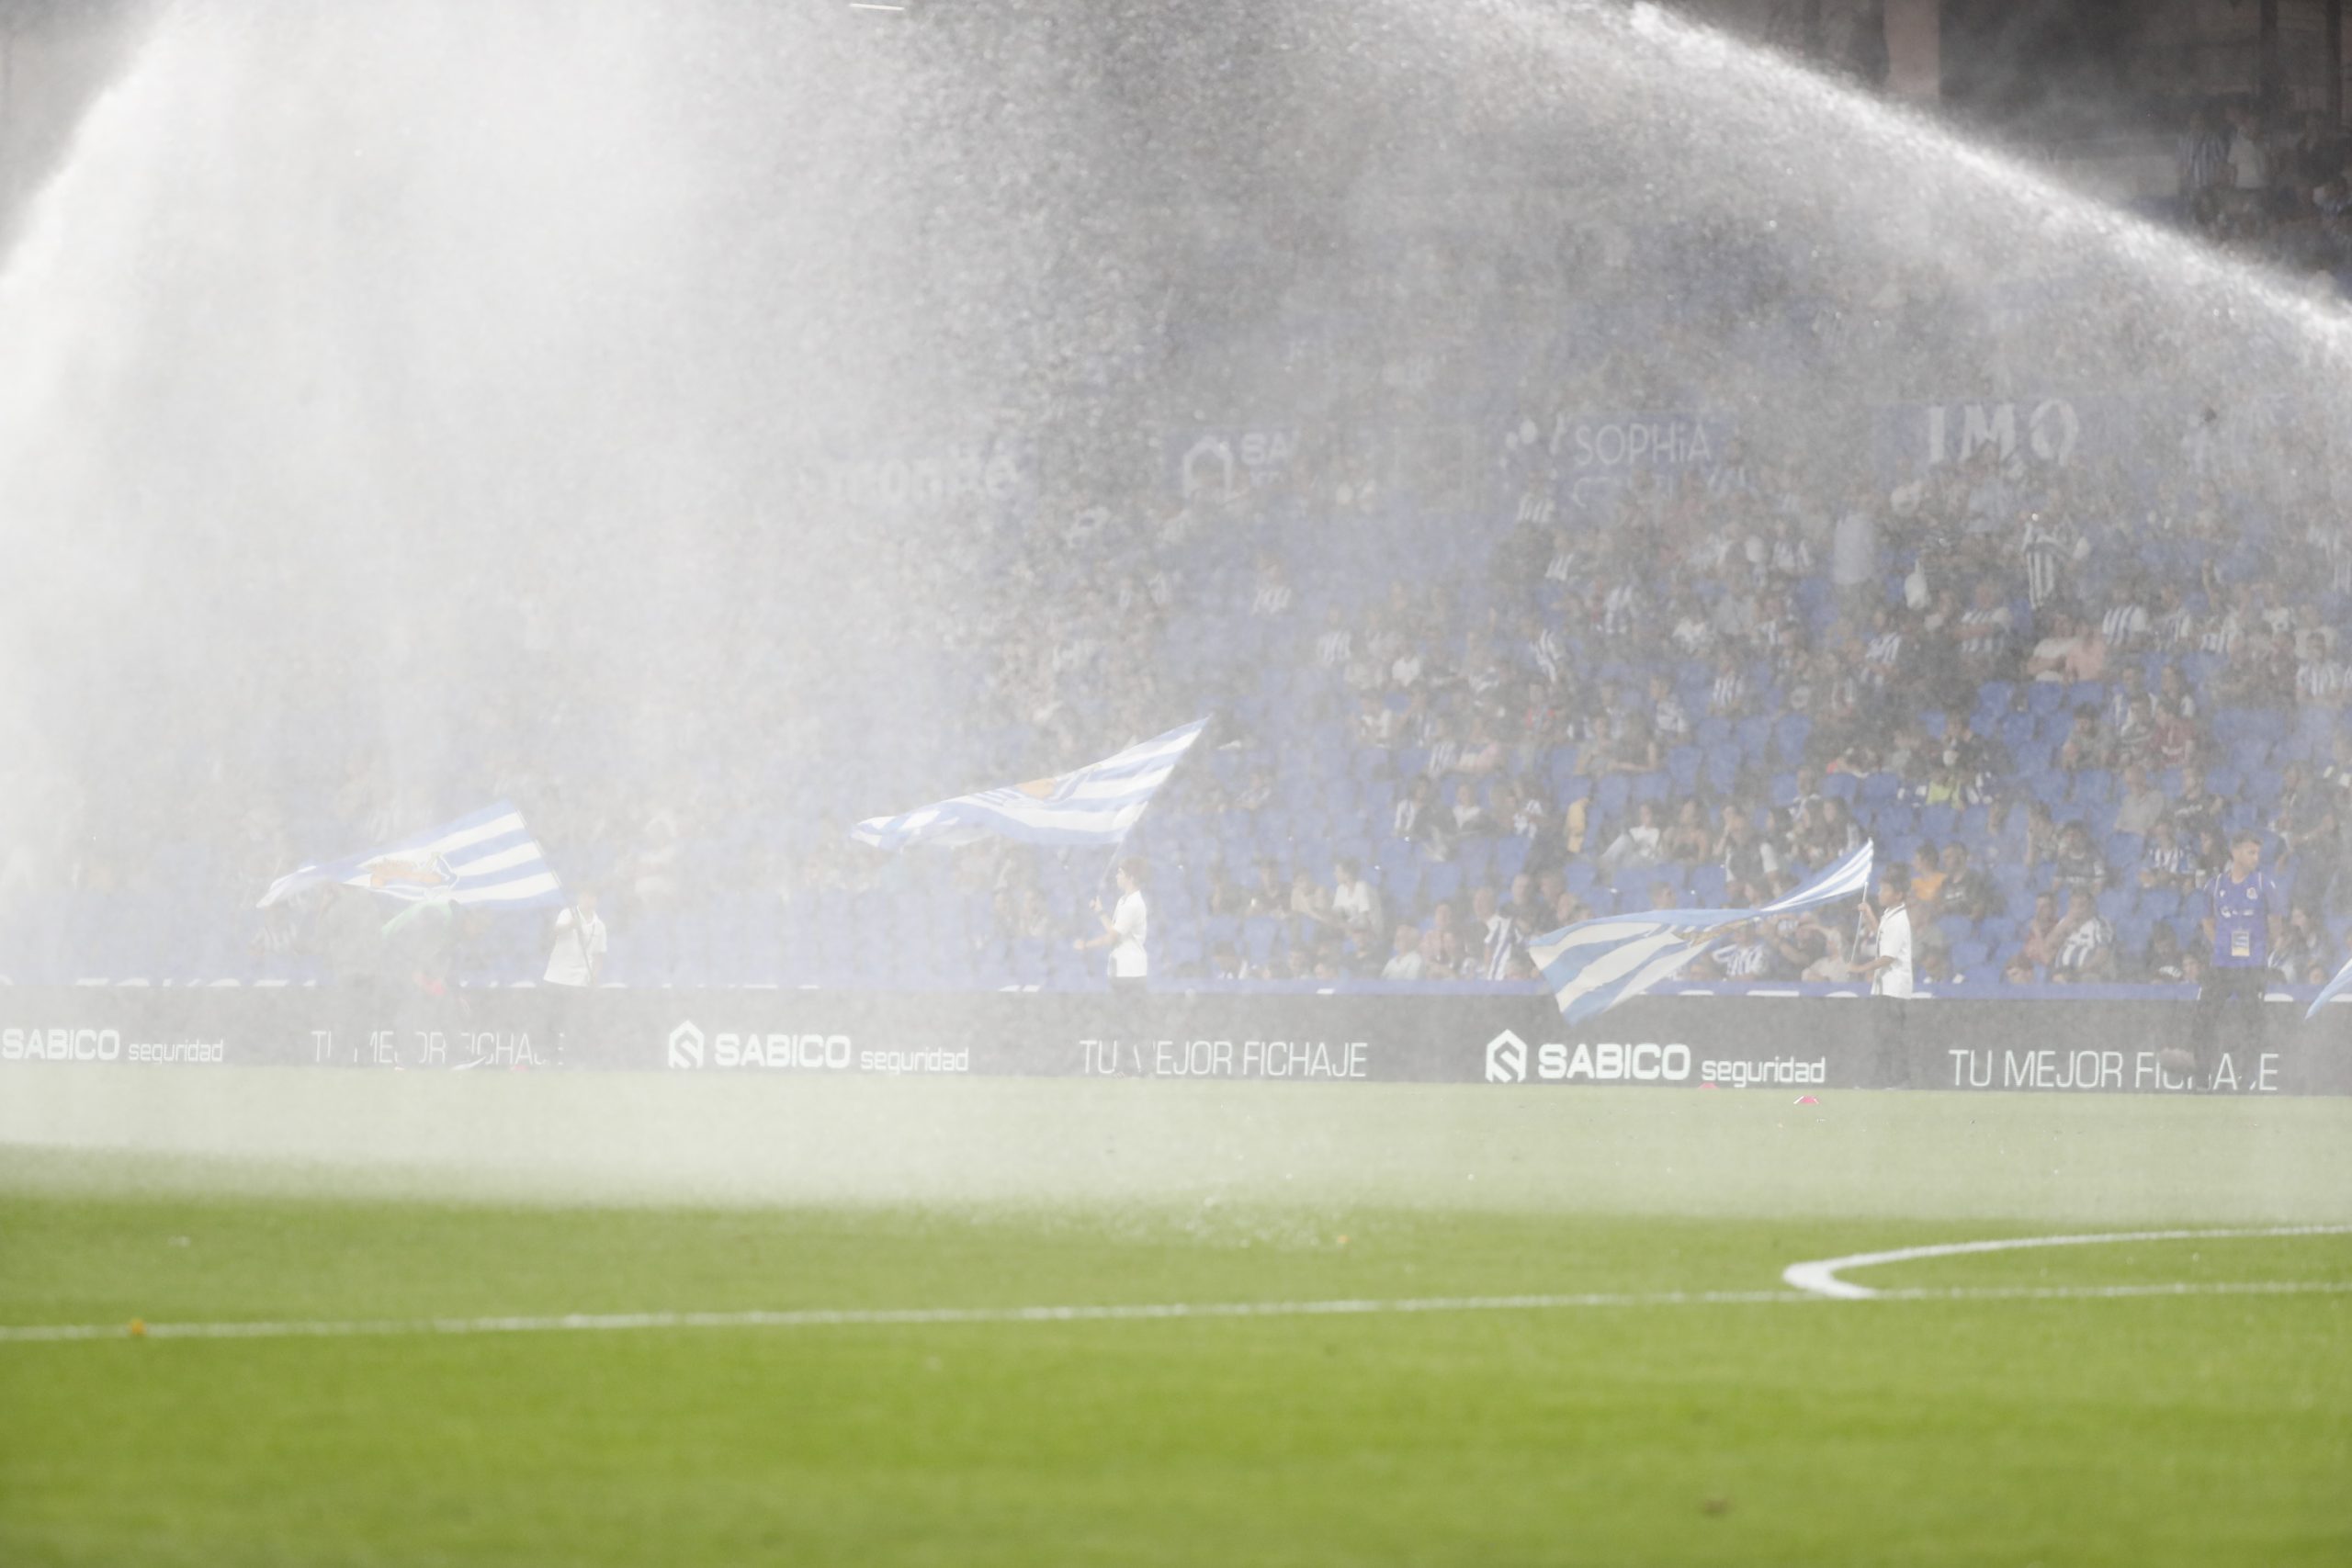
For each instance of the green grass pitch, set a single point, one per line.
(2188, 1428)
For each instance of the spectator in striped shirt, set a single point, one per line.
(2174, 625)
(2131, 683)
(1273, 595)
(1567, 563)
(1620, 608)
(1666, 712)
(2319, 679)
(2202, 162)
(1790, 556)
(2085, 943)
(2045, 546)
(1336, 645)
(1882, 657)
(1694, 631)
(2125, 626)
(1743, 957)
(2135, 732)
(1727, 698)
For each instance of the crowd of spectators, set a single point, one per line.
(1714, 687)
(2274, 185)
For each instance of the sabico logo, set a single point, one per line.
(60, 1045)
(1506, 1058)
(690, 1049)
(1606, 1061)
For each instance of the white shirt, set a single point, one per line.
(1355, 903)
(1894, 941)
(1127, 960)
(575, 948)
(1853, 550)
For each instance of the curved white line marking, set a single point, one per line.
(1820, 1279)
(854, 1317)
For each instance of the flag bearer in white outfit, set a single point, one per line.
(1890, 972)
(1125, 929)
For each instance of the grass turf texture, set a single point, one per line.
(2198, 1430)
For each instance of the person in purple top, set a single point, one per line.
(2244, 914)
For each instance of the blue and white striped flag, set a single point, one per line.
(1096, 805)
(2330, 991)
(487, 858)
(1594, 964)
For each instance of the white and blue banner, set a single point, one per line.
(2330, 991)
(1094, 805)
(1594, 964)
(487, 858)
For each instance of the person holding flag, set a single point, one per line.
(1592, 965)
(1097, 804)
(1889, 974)
(577, 958)
(1125, 929)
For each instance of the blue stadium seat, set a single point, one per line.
(1632, 885)
(1723, 772)
(1611, 796)
(1682, 769)
(1511, 857)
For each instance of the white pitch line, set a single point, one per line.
(1820, 1278)
(858, 1317)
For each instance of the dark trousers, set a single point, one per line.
(559, 1008)
(1890, 1042)
(2234, 992)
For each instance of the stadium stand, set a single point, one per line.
(1694, 696)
